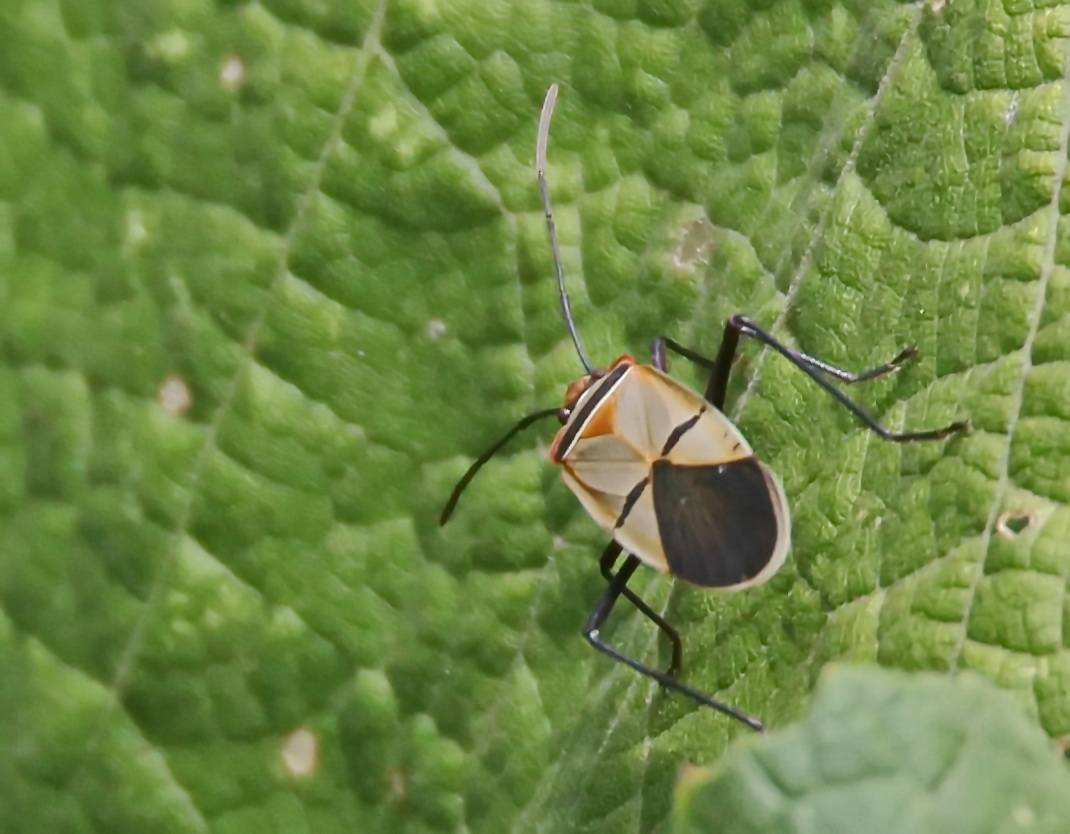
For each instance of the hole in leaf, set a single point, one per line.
(1012, 524)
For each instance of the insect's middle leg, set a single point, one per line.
(605, 564)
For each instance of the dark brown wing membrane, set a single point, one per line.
(718, 523)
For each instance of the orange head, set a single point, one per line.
(577, 388)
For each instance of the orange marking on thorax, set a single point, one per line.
(603, 421)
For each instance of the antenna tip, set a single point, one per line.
(543, 138)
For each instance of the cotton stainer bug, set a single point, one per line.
(665, 473)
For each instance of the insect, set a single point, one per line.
(666, 474)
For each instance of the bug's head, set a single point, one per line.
(574, 393)
(576, 390)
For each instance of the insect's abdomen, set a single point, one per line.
(721, 525)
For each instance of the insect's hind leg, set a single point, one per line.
(592, 631)
(606, 563)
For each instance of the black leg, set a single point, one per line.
(657, 355)
(727, 354)
(606, 563)
(718, 368)
(848, 378)
(660, 361)
(813, 368)
(592, 630)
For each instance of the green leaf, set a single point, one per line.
(920, 753)
(273, 274)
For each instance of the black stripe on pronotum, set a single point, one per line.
(667, 474)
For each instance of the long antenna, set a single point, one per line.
(541, 142)
(466, 478)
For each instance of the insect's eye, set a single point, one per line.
(564, 414)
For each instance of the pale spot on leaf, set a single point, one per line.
(134, 231)
(174, 395)
(435, 329)
(695, 245)
(232, 74)
(300, 753)
(398, 787)
(171, 47)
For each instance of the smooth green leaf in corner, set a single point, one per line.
(890, 752)
(272, 274)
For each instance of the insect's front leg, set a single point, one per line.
(816, 369)
(819, 371)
